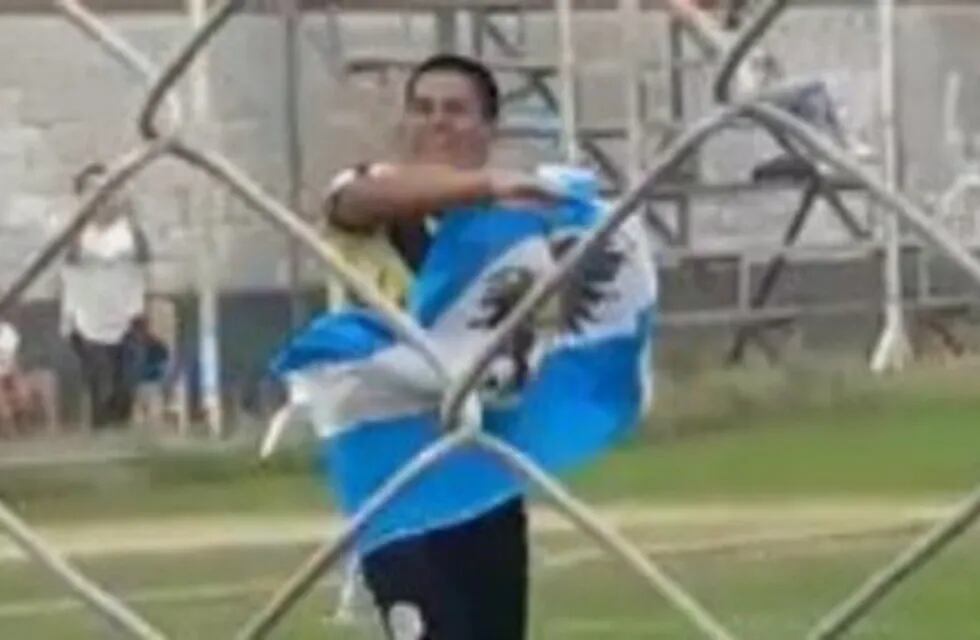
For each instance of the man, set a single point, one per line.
(104, 294)
(467, 581)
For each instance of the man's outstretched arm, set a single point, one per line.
(380, 194)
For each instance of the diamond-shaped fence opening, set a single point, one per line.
(169, 140)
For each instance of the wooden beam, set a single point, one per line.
(98, 6)
(549, 5)
(177, 6)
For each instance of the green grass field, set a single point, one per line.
(770, 591)
(746, 487)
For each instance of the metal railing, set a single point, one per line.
(170, 141)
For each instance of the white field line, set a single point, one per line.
(553, 561)
(581, 554)
(207, 592)
(198, 533)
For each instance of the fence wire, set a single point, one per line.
(170, 142)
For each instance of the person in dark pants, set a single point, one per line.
(468, 581)
(103, 297)
(112, 372)
(464, 582)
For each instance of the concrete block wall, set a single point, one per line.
(64, 103)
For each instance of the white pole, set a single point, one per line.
(335, 292)
(566, 66)
(893, 349)
(335, 39)
(205, 202)
(292, 23)
(630, 15)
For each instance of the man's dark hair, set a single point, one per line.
(479, 75)
(84, 178)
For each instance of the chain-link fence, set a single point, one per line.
(164, 137)
(725, 231)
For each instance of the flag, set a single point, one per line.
(573, 380)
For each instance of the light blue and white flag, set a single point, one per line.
(572, 381)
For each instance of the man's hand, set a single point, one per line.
(414, 192)
(515, 187)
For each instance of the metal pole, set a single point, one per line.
(893, 350)
(747, 39)
(585, 519)
(113, 610)
(294, 155)
(124, 168)
(121, 51)
(566, 75)
(221, 169)
(675, 57)
(884, 581)
(630, 14)
(204, 204)
(335, 294)
(466, 379)
(445, 30)
(177, 68)
(703, 30)
(478, 20)
(325, 556)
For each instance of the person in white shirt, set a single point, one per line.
(104, 288)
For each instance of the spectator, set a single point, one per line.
(103, 297)
(811, 101)
(13, 397)
(25, 397)
(157, 374)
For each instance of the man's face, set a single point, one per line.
(444, 122)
